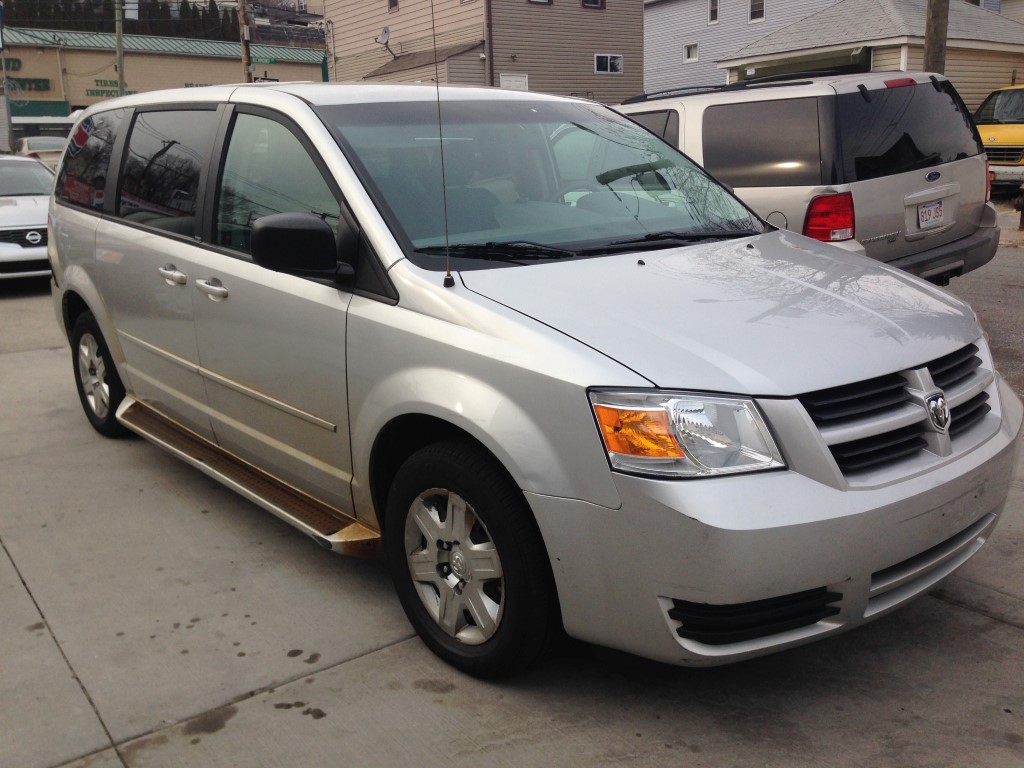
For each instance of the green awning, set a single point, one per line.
(40, 108)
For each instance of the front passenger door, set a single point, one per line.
(271, 345)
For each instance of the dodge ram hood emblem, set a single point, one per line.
(938, 412)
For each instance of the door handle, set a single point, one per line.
(213, 289)
(172, 275)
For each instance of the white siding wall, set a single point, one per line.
(671, 24)
(1013, 9)
(355, 24)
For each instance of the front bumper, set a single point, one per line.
(16, 262)
(721, 544)
(1006, 174)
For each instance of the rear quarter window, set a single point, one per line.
(166, 154)
(763, 143)
(903, 129)
(664, 123)
(82, 179)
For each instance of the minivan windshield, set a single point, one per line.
(528, 181)
(1001, 107)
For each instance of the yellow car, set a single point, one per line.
(1000, 120)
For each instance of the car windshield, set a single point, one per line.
(24, 178)
(528, 181)
(1001, 107)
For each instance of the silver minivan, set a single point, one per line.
(886, 163)
(547, 366)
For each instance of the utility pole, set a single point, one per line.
(243, 31)
(935, 36)
(119, 44)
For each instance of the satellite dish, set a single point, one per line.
(385, 35)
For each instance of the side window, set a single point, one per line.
(83, 174)
(763, 143)
(267, 170)
(664, 123)
(164, 159)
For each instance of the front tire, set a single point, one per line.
(99, 387)
(468, 563)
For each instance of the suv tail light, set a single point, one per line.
(830, 218)
(33, 155)
(988, 181)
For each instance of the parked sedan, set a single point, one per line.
(45, 149)
(25, 186)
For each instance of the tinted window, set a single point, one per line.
(763, 143)
(664, 123)
(83, 174)
(267, 170)
(1001, 107)
(165, 155)
(903, 129)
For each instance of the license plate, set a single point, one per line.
(929, 214)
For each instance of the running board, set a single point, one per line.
(329, 527)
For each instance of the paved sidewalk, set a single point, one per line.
(154, 619)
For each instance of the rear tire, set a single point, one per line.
(99, 387)
(468, 562)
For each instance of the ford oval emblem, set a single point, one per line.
(933, 176)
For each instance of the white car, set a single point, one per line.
(45, 149)
(25, 186)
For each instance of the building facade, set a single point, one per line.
(686, 41)
(590, 48)
(984, 49)
(51, 73)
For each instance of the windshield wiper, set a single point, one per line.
(518, 250)
(632, 170)
(661, 239)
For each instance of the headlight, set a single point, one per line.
(676, 434)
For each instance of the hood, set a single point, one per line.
(996, 134)
(23, 211)
(777, 314)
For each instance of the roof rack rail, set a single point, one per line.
(768, 81)
(672, 92)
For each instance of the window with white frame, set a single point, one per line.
(756, 10)
(712, 11)
(608, 63)
(689, 52)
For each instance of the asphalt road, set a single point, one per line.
(152, 618)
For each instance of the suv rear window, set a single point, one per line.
(763, 143)
(903, 129)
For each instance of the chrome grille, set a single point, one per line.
(19, 237)
(879, 422)
(854, 401)
(954, 368)
(1004, 154)
(966, 415)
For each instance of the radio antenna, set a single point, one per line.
(449, 281)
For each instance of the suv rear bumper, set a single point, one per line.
(952, 259)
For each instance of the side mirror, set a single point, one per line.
(301, 244)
